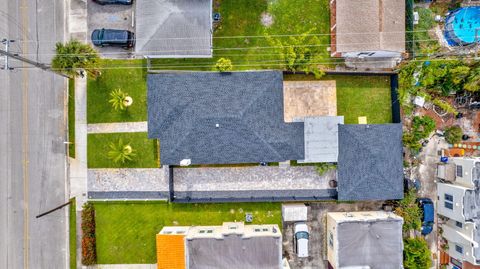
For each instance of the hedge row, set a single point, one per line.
(89, 253)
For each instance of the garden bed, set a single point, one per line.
(125, 231)
(146, 150)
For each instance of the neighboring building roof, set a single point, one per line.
(173, 28)
(242, 247)
(221, 118)
(231, 245)
(321, 139)
(170, 251)
(370, 162)
(370, 25)
(370, 241)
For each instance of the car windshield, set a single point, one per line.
(302, 235)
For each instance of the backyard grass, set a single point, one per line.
(127, 75)
(73, 233)
(71, 118)
(126, 230)
(250, 49)
(146, 150)
(360, 96)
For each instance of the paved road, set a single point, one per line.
(32, 162)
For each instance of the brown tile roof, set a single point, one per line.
(170, 251)
(370, 25)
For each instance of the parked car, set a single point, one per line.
(112, 37)
(428, 214)
(300, 241)
(113, 2)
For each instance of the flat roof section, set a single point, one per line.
(174, 28)
(321, 139)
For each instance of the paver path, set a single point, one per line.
(251, 178)
(117, 127)
(131, 179)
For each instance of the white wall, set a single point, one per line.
(458, 193)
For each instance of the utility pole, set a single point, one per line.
(6, 42)
(8, 54)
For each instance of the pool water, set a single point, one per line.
(460, 26)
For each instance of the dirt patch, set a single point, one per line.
(266, 19)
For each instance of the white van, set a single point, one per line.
(301, 239)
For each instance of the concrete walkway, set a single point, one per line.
(251, 178)
(117, 127)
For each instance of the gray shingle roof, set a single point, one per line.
(184, 110)
(370, 164)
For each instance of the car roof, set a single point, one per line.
(428, 212)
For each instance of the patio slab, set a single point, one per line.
(309, 99)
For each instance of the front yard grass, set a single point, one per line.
(359, 96)
(240, 35)
(146, 150)
(128, 75)
(126, 230)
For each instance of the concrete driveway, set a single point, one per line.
(112, 17)
(317, 222)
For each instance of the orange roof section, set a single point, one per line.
(170, 251)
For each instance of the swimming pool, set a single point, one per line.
(460, 26)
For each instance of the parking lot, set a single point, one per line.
(316, 223)
(112, 17)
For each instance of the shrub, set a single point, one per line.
(89, 253)
(120, 152)
(408, 209)
(224, 65)
(417, 254)
(322, 168)
(453, 134)
(445, 106)
(85, 58)
(421, 129)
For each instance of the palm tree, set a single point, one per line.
(120, 152)
(120, 100)
(73, 57)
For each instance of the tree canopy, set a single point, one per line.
(73, 57)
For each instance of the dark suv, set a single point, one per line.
(428, 214)
(115, 38)
(113, 2)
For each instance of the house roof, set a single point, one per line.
(173, 28)
(370, 25)
(374, 243)
(170, 251)
(221, 118)
(370, 164)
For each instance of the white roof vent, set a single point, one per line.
(217, 125)
(185, 162)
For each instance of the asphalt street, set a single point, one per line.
(32, 161)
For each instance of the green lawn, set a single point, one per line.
(71, 117)
(126, 230)
(146, 150)
(127, 75)
(360, 96)
(242, 19)
(73, 234)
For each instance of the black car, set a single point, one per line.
(113, 2)
(112, 37)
